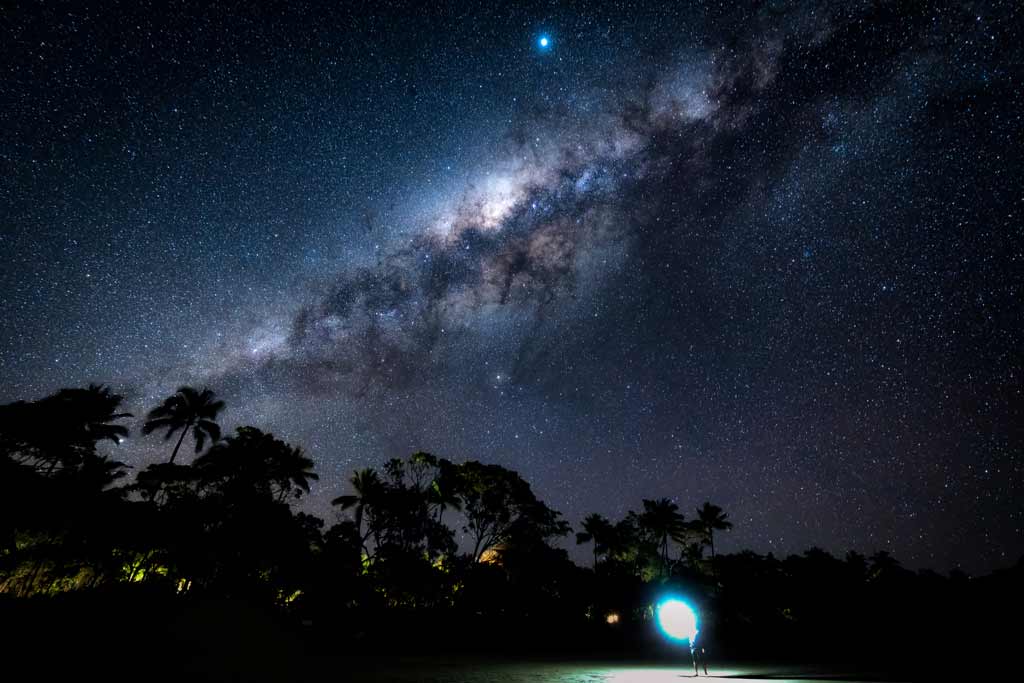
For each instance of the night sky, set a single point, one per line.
(770, 257)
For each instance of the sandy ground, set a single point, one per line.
(483, 671)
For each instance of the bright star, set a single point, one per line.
(544, 42)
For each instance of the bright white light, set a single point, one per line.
(677, 620)
(544, 41)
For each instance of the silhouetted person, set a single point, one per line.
(697, 654)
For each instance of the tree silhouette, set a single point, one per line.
(711, 518)
(662, 519)
(61, 431)
(883, 565)
(691, 554)
(224, 527)
(253, 462)
(422, 468)
(296, 469)
(164, 481)
(367, 486)
(443, 491)
(598, 530)
(89, 414)
(99, 472)
(500, 507)
(56, 500)
(187, 409)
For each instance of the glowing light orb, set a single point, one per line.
(612, 618)
(677, 620)
(544, 42)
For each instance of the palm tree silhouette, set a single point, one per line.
(597, 529)
(367, 485)
(295, 469)
(622, 543)
(63, 430)
(711, 518)
(187, 409)
(92, 410)
(664, 521)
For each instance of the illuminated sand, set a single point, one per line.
(477, 671)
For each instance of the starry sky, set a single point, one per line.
(764, 254)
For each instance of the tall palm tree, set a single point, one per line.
(662, 519)
(711, 518)
(597, 529)
(367, 485)
(187, 410)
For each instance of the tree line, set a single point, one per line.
(423, 537)
(70, 522)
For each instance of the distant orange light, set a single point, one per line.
(612, 618)
(491, 556)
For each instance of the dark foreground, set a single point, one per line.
(126, 637)
(476, 670)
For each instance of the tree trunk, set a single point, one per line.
(32, 578)
(476, 548)
(181, 438)
(134, 571)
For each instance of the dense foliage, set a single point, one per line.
(425, 541)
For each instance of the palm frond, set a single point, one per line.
(345, 502)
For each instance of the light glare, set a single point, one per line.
(677, 620)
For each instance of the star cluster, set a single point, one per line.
(770, 257)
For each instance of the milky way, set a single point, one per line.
(771, 257)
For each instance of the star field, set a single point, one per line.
(769, 257)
